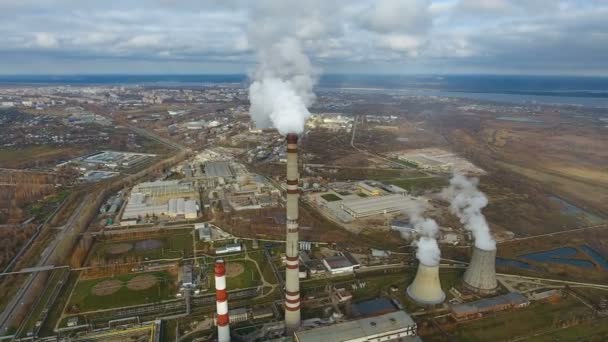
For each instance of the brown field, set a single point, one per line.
(106, 287)
(119, 248)
(234, 269)
(142, 282)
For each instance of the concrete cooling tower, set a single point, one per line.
(426, 287)
(480, 276)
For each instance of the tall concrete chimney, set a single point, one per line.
(480, 276)
(292, 280)
(426, 287)
(221, 296)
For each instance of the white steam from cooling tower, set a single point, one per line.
(466, 202)
(427, 250)
(283, 79)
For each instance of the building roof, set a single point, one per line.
(389, 203)
(357, 329)
(373, 307)
(511, 298)
(338, 261)
(218, 169)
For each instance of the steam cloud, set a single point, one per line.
(427, 251)
(466, 202)
(281, 91)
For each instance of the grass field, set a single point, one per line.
(330, 197)
(537, 318)
(418, 184)
(18, 158)
(84, 299)
(173, 246)
(249, 278)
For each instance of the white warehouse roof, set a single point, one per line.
(367, 206)
(394, 326)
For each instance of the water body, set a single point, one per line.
(564, 255)
(570, 209)
(563, 90)
(596, 256)
(514, 263)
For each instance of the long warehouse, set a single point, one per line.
(368, 206)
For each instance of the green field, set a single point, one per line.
(84, 300)
(249, 278)
(331, 197)
(418, 184)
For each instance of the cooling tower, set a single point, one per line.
(221, 296)
(480, 276)
(292, 280)
(426, 288)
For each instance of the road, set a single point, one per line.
(597, 226)
(26, 290)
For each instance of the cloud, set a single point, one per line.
(45, 40)
(540, 36)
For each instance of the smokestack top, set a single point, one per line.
(220, 268)
(292, 138)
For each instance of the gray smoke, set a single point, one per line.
(281, 91)
(427, 249)
(466, 202)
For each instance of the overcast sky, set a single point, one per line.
(348, 36)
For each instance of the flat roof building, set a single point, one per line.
(483, 306)
(218, 169)
(368, 206)
(394, 326)
(338, 264)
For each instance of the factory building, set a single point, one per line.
(229, 248)
(166, 189)
(511, 300)
(338, 264)
(368, 206)
(368, 189)
(220, 169)
(427, 163)
(394, 326)
(141, 205)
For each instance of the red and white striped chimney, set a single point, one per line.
(221, 296)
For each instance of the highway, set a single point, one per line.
(26, 291)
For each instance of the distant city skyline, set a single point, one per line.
(540, 37)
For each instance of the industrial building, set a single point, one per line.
(426, 163)
(140, 205)
(229, 248)
(478, 308)
(168, 189)
(368, 206)
(368, 189)
(394, 326)
(219, 169)
(338, 264)
(114, 159)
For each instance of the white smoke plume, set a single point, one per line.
(283, 81)
(427, 249)
(466, 202)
